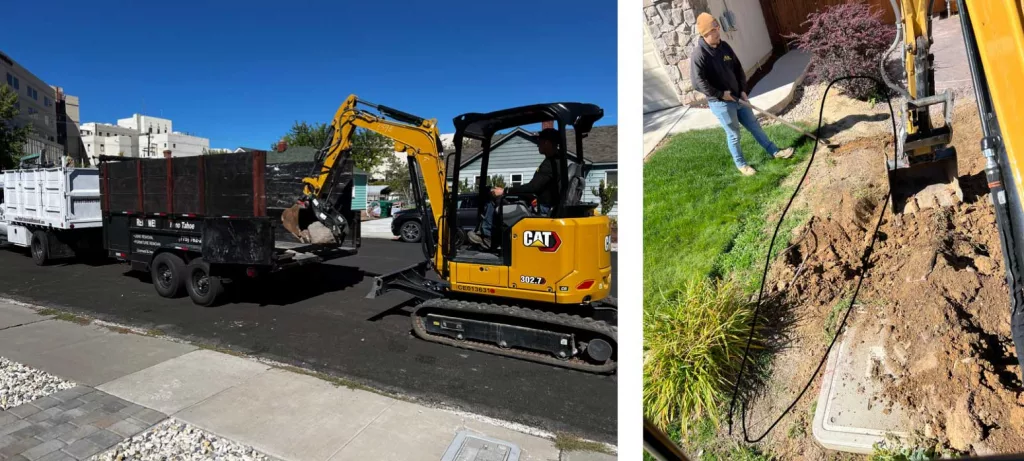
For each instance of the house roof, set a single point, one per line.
(247, 149)
(601, 146)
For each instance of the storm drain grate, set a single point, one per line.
(471, 447)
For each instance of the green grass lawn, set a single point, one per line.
(701, 216)
(703, 220)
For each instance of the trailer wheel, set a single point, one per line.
(202, 288)
(40, 246)
(168, 272)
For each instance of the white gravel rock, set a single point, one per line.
(177, 440)
(20, 384)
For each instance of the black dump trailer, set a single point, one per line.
(196, 224)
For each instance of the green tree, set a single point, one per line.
(608, 195)
(12, 138)
(497, 181)
(464, 185)
(396, 176)
(370, 149)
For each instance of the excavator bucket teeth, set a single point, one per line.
(931, 184)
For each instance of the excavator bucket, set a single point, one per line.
(927, 184)
(290, 221)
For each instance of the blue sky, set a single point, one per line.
(240, 73)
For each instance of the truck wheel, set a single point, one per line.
(168, 272)
(411, 232)
(202, 288)
(40, 246)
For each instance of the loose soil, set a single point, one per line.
(935, 291)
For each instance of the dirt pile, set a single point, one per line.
(935, 292)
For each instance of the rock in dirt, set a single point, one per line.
(985, 265)
(320, 234)
(962, 426)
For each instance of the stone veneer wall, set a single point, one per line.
(673, 27)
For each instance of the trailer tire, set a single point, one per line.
(40, 247)
(203, 288)
(168, 273)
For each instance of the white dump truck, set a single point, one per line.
(55, 212)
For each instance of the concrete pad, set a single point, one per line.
(377, 228)
(288, 415)
(183, 381)
(12, 315)
(533, 448)
(845, 418)
(404, 431)
(775, 90)
(88, 355)
(586, 456)
(658, 124)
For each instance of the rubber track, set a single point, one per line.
(573, 322)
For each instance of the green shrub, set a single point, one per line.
(693, 344)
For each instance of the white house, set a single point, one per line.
(180, 144)
(514, 156)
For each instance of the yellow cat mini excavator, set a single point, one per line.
(540, 291)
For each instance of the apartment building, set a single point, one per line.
(106, 139)
(37, 106)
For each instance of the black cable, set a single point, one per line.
(767, 264)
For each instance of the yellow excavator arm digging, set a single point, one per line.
(415, 136)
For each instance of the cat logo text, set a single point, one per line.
(546, 241)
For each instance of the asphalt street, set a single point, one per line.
(320, 318)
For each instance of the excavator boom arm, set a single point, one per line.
(415, 136)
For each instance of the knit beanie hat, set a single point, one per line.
(705, 22)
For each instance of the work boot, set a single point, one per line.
(478, 239)
(747, 170)
(787, 153)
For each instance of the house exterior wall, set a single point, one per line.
(359, 192)
(672, 24)
(594, 177)
(515, 156)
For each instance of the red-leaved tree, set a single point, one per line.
(844, 40)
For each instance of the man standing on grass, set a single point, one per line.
(716, 71)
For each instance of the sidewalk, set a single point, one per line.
(127, 383)
(772, 94)
(377, 228)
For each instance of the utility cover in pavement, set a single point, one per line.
(848, 417)
(471, 447)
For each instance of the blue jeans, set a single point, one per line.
(731, 115)
(489, 217)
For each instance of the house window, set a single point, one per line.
(476, 182)
(102, 149)
(611, 178)
(32, 93)
(46, 101)
(175, 146)
(12, 81)
(165, 144)
(517, 179)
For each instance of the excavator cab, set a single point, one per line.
(509, 209)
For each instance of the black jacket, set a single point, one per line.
(713, 71)
(544, 184)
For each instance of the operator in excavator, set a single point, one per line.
(543, 185)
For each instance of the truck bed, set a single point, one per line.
(59, 198)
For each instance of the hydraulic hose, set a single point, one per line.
(764, 276)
